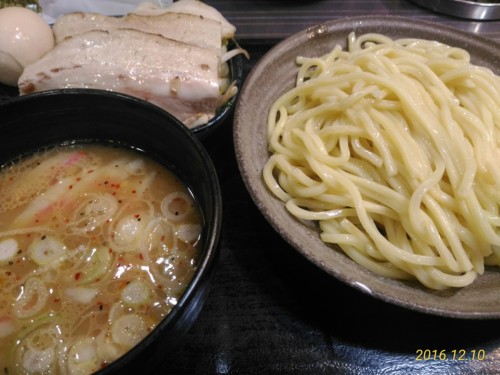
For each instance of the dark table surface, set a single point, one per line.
(272, 312)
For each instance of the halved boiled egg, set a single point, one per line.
(24, 38)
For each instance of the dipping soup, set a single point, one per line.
(97, 245)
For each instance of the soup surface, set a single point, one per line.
(97, 244)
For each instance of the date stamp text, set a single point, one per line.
(450, 355)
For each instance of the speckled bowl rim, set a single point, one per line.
(275, 74)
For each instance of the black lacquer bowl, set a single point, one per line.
(51, 118)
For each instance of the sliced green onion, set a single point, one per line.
(97, 264)
(128, 330)
(189, 233)
(38, 361)
(176, 206)
(136, 167)
(83, 358)
(47, 251)
(81, 294)
(107, 350)
(94, 211)
(32, 300)
(136, 293)
(36, 352)
(158, 236)
(8, 250)
(127, 231)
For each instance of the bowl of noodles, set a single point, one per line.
(111, 214)
(370, 145)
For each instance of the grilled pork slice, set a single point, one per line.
(187, 28)
(194, 7)
(178, 77)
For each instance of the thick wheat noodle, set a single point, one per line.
(392, 146)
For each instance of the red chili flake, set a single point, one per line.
(141, 257)
(78, 178)
(133, 191)
(137, 216)
(105, 182)
(57, 300)
(110, 250)
(91, 171)
(78, 275)
(113, 193)
(162, 238)
(70, 187)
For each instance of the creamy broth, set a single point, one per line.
(97, 244)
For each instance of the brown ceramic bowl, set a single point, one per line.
(273, 75)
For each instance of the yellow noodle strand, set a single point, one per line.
(393, 146)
